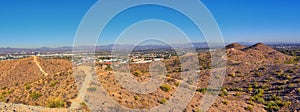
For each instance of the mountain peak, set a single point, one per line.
(235, 46)
(260, 46)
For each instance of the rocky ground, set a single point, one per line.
(258, 79)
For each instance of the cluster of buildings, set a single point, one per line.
(13, 56)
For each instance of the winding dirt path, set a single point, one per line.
(38, 64)
(85, 84)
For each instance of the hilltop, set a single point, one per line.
(258, 78)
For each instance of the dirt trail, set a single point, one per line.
(10, 107)
(38, 64)
(85, 84)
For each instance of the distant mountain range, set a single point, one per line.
(121, 46)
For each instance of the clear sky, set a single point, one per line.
(53, 23)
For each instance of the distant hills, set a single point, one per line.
(258, 53)
(125, 46)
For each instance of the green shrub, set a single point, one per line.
(272, 106)
(259, 92)
(52, 84)
(251, 103)
(237, 89)
(177, 83)
(136, 97)
(137, 73)
(10, 91)
(225, 102)
(257, 99)
(91, 89)
(249, 108)
(258, 74)
(35, 95)
(232, 75)
(274, 97)
(250, 89)
(3, 88)
(163, 101)
(237, 94)
(56, 103)
(202, 90)
(27, 87)
(291, 85)
(3, 93)
(291, 61)
(298, 90)
(198, 110)
(83, 104)
(165, 87)
(224, 92)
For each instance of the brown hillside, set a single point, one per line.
(258, 53)
(235, 46)
(23, 82)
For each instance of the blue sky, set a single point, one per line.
(53, 23)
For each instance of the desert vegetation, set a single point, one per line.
(258, 78)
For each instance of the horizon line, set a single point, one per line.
(226, 43)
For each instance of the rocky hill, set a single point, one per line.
(258, 79)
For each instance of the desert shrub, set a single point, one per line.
(168, 75)
(237, 89)
(177, 83)
(259, 92)
(224, 92)
(202, 90)
(225, 102)
(255, 85)
(272, 106)
(260, 100)
(291, 85)
(10, 91)
(136, 97)
(274, 97)
(83, 104)
(291, 71)
(53, 83)
(291, 61)
(16, 84)
(258, 74)
(251, 102)
(286, 76)
(298, 90)
(163, 101)
(3, 88)
(249, 108)
(3, 93)
(165, 87)
(35, 95)
(27, 87)
(56, 103)
(271, 78)
(198, 110)
(91, 89)
(257, 98)
(250, 89)
(137, 73)
(280, 87)
(108, 68)
(237, 94)
(232, 75)
(282, 103)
